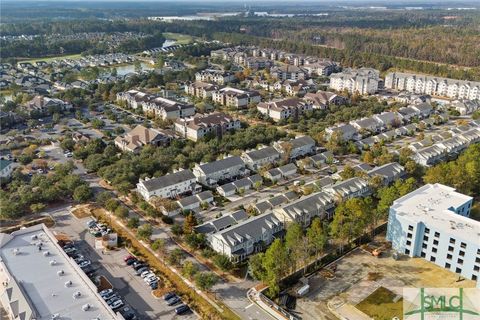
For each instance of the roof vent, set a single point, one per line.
(16, 251)
(77, 294)
(53, 262)
(86, 307)
(34, 237)
(68, 283)
(46, 253)
(55, 316)
(61, 273)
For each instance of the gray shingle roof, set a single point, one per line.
(223, 164)
(263, 153)
(168, 180)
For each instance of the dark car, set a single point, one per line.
(169, 295)
(136, 263)
(129, 262)
(173, 301)
(128, 313)
(182, 309)
(141, 270)
(140, 266)
(154, 285)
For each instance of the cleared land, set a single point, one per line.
(47, 59)
(178, 37)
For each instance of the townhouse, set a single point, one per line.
(389, 119)
(41, 105)
(170, 185)
(283, 172)
(239, 186)
(428, 156)
(345, 131)
(288, 72)
(436, 86)
(235, 98)
(141, 136)
(212, 173)
(222, 223)
(465, 107)
(202, 90)
(296, 148)
(363, 80)
(320, 68)
(366, 124)
(389, 172)
(255, 159)
(255, 63)
(216, 76)
(200, 125)
(294, 87)
(305, 209)
(247, 237)
(6, 168)
(351, 188)
(285, 108)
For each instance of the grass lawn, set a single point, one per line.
(47, 59)
(178, 37)
(381, 306)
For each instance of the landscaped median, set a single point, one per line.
(188, 294)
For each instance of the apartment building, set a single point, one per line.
(255, 159)
(216, 76)
(202, 90)
(247, 237)
(170, 185)
(363, 80)
(296, 148)
(235, 98)
(284, 108)
(212, 173)
(433, 222)
(288, 72)
(141, 136)
(200, 125)
(323, 99)
(351, 188)
(431, 85)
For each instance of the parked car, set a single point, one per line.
(168, 295)
(140, 266)
(114, 298)
(128, 257)
(109, 296)
(105, 292)
(70, 250)
(139, 271)
(174, 300)
(91, 224)
(128, 313)
(136, 263)
(181, 309)
(146, 273)
(117, 304)
(154, 285)
(84, 263)
(131, 261)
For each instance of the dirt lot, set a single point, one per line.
(359, 274)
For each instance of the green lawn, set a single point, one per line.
(180, 38)
(47, 59)
(380, 305)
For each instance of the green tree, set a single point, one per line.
(133, 222)
(317, 237)
(144, 232)
(223, 262)
(176, 256)
(255, 266)
(275, 263)
(294, 243)
(205, 280)
(159, 245)
(189, 269)
(82, 193)
(121, 212)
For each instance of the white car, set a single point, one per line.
(150, 278)
(117, 304)
(146, 273)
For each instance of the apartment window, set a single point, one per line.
(447, 265)
(450, 249)
(424, 245)
(427, 231)
(452, 241)
(410, 228)
(477, 260)
(425, 238)
(423, 254)
(437, 234)
(407, 251)
(432, 259)
(435, 242)
(478, 251)
(460, 261)
(463, 245)
(461, 253)
(449, 256)
(409, 236)
(476, 268)
(458, 270)
(434, 250)
(474, 277)
(409, 242)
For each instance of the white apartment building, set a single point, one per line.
(363, 80)
(211, 173)
(235, 98)
(216, 76)
(436, 86)
(298, 147)
(285, 108)
(200, 125)
(433, 222)
(255, 159)
(168, 186)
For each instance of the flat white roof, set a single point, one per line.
(37, 273)
(430, 204)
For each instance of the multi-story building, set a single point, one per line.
(296, 148)
(363, 80)
(303, 210)
(141, 136)
(288, 72)
(200, 125)
(320, 68)
(6, 168)
(285, 108)
(168, 186)
(436, 86)
(157, 106)
(41, 105)
(40, 281)
(212, 173)
(247, 237)
(351, 188)
(216, 76)
(202, 90)
(323, 99)
(433, 222)
(255, 159)
(235, 98)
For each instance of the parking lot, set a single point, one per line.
(132, 289)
